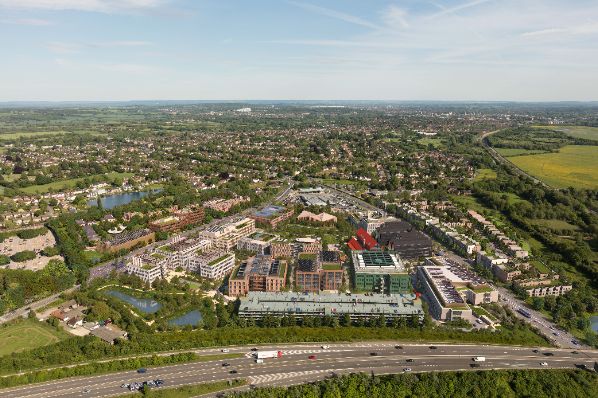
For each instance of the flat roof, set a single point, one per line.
(331, 303)
(377, 261)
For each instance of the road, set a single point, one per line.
(295, 366)
(23, 311)
(559, 337)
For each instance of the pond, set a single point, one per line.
(111, 201)
(147, 306)
(594, 323)
(190, 318)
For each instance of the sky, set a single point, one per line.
(467, 50)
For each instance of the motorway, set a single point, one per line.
(296, 367)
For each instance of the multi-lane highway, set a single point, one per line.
(296, 366)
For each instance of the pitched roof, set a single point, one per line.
(353, 244)
(366, 239)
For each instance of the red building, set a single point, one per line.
(366, 239)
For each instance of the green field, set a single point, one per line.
(11, 177)
(29, 134)
(485, 174)
(67, 184)
(573, 165)
(506, 152)
(590, 133)
(435, 142)
(555, 224)
(26, 335)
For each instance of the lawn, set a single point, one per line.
(485, 174)
(506, 152)
(26, 335)
(68, 184)
(590, 133)
(555, 224)
(435, 142)
(28, 134)
(573, 165)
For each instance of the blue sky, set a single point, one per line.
(264, 49)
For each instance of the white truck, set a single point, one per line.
(268, 354)
(479, 359)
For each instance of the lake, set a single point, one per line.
(190, 318)
(111, 201)
(594, 323)
(147, 306)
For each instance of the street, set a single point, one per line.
(295, 366)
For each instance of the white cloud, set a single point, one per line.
(583, 29)
(396, 16)
(128, 68)
(452, 10)
(28, 21)
(334, 14)
(104, 6)
(60, 47)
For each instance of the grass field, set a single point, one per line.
(26, 335)
(573, 165)
(590, 133)
(506, 152)
(436, 142)
(555, 224)
(67, 184)
(28, 134)
(11, 177)
(485, 174)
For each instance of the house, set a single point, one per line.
(109, 333)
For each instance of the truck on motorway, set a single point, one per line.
(479, 359)
(268, 354)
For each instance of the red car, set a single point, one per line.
(311, 357)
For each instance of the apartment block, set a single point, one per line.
(260, 273)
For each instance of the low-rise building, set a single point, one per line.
(146, 267)
(258, 242)
(179, 219)
(405, 239)
(226, 236)
(323, 218)
(127, 240)
(212, 265)
(549, 291)
(256, 305)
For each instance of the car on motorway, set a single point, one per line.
(399, 347)
(373, 354)
(535, 351)
(407, 370)
(548, 354)
(575, 352)
(259, 360)
(225, 350)
(125, 385)
(159, 382)
(86, 391)
(226, 364)
(433, 347)
(141, 370)
(410, 360)
(234, 371)
(543, 364)
(325, 347)
(311, 357)
(254, 349)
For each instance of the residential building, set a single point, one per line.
(226, 236)
(256, 305)
(147, 267)
(260, 273)
(179, 219)
(549, 291)
(212, 265)
(288, 249)
(380, 271)
(127, 240)
(224, 205)
(259, 242)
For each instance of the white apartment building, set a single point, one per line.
(226, 236)
(212, 265)
(147, 268)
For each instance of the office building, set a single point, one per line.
(380, 271)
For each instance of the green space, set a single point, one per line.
(11, 177)
(572, 166)
(485, 174)
(555, 224)
(71, 183)
(92, 256)
(26, 335)
(331, 267)
(479, 311)
(193, 390)
(590, 133)
(435, 142)
(29, 134)
(507, 152)
(481, 384)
